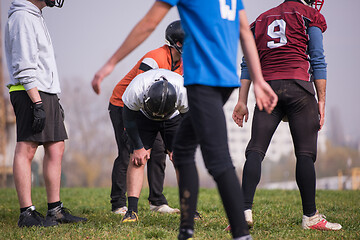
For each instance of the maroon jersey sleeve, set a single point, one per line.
(318, 20)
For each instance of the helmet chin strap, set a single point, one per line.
(55, 3)
(179, 49)
(50, 3)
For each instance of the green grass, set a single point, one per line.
(277, 215)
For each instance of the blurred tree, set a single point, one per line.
(91, 149)
(336, 158)
(328, 163)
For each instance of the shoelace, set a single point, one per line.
(132, 214)
(65, 210)
(197, 214)
(321, 216)
(60, 209)
(37, 215)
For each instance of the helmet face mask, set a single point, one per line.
(174, 34)
(54, 3)
(317, 4)
(160, 100)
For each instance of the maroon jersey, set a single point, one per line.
(281, 38)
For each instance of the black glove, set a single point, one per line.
(39, 117)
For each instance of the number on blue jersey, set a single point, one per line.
(227, 12)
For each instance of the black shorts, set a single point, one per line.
(149, 129)
(54, 130)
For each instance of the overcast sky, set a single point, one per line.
(86, 33)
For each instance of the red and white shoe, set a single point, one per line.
(228, 228)
(319, 222)
(248, 219)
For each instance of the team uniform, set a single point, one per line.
(149, 127)
(210, 76)
(158, 58)
(282, 32)
(285, 65)
(289, 42)
(154, 102)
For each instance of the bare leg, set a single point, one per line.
(52, 169)
(24, 153)
(135, 178)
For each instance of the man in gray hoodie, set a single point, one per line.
(34, 87)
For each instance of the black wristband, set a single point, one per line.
(38, 102)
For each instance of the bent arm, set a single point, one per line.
(141, 31)
(129, 118)
(138, 34)
(265, 96)
(241, 112)
(244, 91)
(320, 85)
(319, 68)
(316, 53)
(249, 49)
(34, 95)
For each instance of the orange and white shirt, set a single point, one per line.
(158, 58)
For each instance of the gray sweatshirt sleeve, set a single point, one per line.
(24, 51)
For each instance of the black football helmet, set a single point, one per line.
(174, 33)
(317, 4)
(160, 100)
(54, 3)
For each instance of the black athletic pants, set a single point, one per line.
(155, 165)
(205, 124)
(301, 109)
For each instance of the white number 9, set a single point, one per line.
(278, 34)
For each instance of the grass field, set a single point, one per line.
(277, 215)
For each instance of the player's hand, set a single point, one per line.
(266, 98)
(100, 75)
(39, 117)
(170, 155)
(240, 114)
(321, 114)
(140, 156)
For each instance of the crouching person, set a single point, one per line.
(153, 103)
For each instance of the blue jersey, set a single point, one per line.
(211, 41)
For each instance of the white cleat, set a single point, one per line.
(319, 222)
(248, 218)
(120, 211)
(163, 209)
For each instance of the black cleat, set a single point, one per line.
(197, 216)
(130, 216)
(185, 234)
(31, 218)
(61, 214)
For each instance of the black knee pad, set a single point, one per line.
(311, 156)
(254, 155)
(217, 172)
